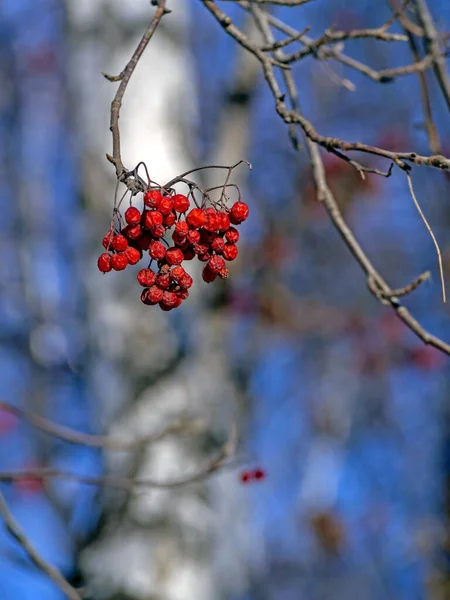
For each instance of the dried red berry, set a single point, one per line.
(193, 236)
(153, 295)
(165, 206)
(189, 254)
(181, 228)
(152, 198)
(259, 474)
(170, 219)
(211, 222)
(152, 219)
(230, 251)
(157, 250)
(133, 255)
(177, 273)
(204, 257)
(104, 262)
(163, 281)
(208, 275)
(174, 256)
(132, 216)
(119, 261)
(217, 245)
(232, 235)
(170, 299)
(106, 243)
(186, 281)
(224, 221)
(146, 277)
(216, 264)
(207, 236)
(119, 243)
(183, 294)
(201, 248)
(246, 476)
(158, 231)
(238, 213)
(196, 218)
(181, 203)
(132, 232)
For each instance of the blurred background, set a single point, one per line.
(345, 410)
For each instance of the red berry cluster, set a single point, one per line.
(203, 232)
(249, 475)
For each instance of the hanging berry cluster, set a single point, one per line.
(203, 231)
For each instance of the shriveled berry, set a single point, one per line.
(177, 273)
(165, 206)
(119, 243)
(216, 264)
(217, 245)
(132, 232)
(204, 257)
(157, 250)
(158, 231)
(224, 221)
(208, 275)
(170, 219)
(189, 254)
(170, 299)
(119, 261)
(146, 277)
(174, 256)
(186, 281)
(106, 243)
(232, 235)
(230, 251)
(201, 248)
(196, 218)
(104, 262)
(152, 198)
(238, 213)
(211, 222)
(132, 216)
(181, 228)
(143, 243)
(181, 203)
(179, 240)
(207, 236)
(153, 295)
(152, 219)
(193, 236)
(183, 294)
(133, 255)
(163, 281)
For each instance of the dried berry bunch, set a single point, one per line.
(206, 231)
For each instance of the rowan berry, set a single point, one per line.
(189, 253)
(208, 275)
(146, 277)
(207, 236)
(119, 243)
(177, 273)
(217, 245)
(183, 294)
(132, 216)
(246, 476)
(158, 231)
(216, 264)
(170, 219)
(152, 198)
(238, 213)
(179, 240)
(132, 232)
(224, 221)
(165, 206)
(163, 281)
(152, 219)
(157, 250)
(104, 262)
(133, 255)
(204, 257)
(174, 256)
(186, 281)
(182, 228)
(193, 236)
(170, 299)
(119, 261)
(200, 248)
(180, 203)
(211, 222)
(232, 235)
(106, 243)
(196, 218)
(153, 295)
(230, 251)
(259, 474)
